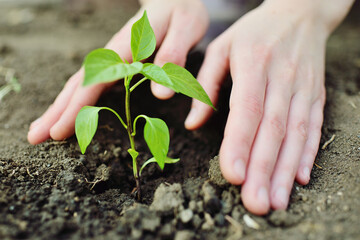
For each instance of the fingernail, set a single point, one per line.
(281, 196)
(263, 196)
(306, 173)
(239, 169)
(191, 118)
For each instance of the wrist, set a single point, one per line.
(327, 15)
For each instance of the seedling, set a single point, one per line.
(11, 83)
(104, 65)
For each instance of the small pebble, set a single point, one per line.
(250, 222)
(117, 152)
(186, 215)
(192, 205)
(219, 219)
(184, 235)
(196, 221)
(209, 222)
(166, 230)
(200, 206)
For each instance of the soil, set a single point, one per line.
(51, 191)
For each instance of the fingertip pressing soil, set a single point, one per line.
(51, 191)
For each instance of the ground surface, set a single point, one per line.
(46, 190)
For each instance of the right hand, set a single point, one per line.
(178, 26)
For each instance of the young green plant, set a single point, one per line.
(104, 65)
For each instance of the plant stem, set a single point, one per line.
(138, 83)
(129, 131)
(117, 115)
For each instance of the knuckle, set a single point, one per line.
(171, 54)
(301, 128)
(288, 73)
(183, 13)
(251, 103)
(261, 52)
(216, 49)
(277, 126)
(310, 79)
(265, 167)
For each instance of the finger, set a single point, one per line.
(211, 77)
(291, 150)
(35, 123)
(270, 135)
(158, 18)
(120, 42)
(83, 96)
(39, 130)
(183, 33)
(312, 143)
(246, 107)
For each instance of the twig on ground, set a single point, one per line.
(28, 172)
(328, 142)
(96, 181)
(352, 104)
(318, 166)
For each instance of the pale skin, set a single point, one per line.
(275, 55)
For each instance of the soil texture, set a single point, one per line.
(52, 191)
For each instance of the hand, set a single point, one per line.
(168, 19)
(276, 59)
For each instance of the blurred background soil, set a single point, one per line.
(49, 192)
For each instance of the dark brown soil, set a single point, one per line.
(46, 191)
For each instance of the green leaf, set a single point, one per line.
(86, 124)
(184, 82)
(156, 74)
(15, 84)
(156, 134)
(153, 160)
(143, 42)
(105, 65)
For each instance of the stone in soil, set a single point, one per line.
(282, 218)
(167, 199)
(212, 203)
(215, 173)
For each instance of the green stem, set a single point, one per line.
(138, 83)
(117, 115)
(134, 129)
(129, 131)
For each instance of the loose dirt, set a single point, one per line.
(51, 191)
